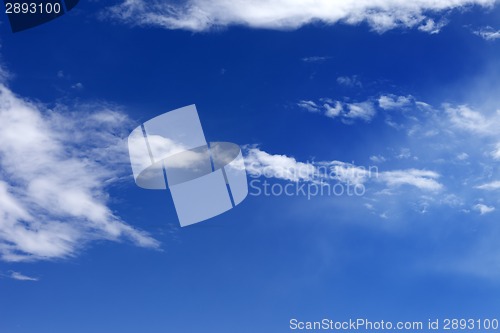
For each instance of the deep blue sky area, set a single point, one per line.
(271, 259)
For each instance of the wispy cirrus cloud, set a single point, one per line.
(449, 149)
(349, 81)
(465, 118)
(310, 106)
(55, 165)
(347, 112)
(200, 15)
(422, 179)
(283, 167)
(315, 59)
(491, 186)
(488, 33)
(21, 277)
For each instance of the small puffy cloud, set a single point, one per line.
(349, 81)
(488, 33)
(377, 159)
(333, 111)
(404, 153)
(55, 166)
(432, 27)
(201, 15)
(393, 102)
(77, 86)
(347, 112)
(484, 209)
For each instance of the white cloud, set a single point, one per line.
(422, 179)
(431, 26)
(465, 118)
(437, 141)
(54, 166)
(404, 153)
(333, 111)
(484, 209)
(392, 102)
(260, 163)
(495, 185)
(200, 15)
(496, 153)
(377, 159)
(488, 33)
(348, 173)
(315, 59)
(451, 121)
(21, 277)
(77, 86)
(309, 106)
(364, 111)
(349, 81)
(347, 112)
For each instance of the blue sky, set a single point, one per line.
(411, 90)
